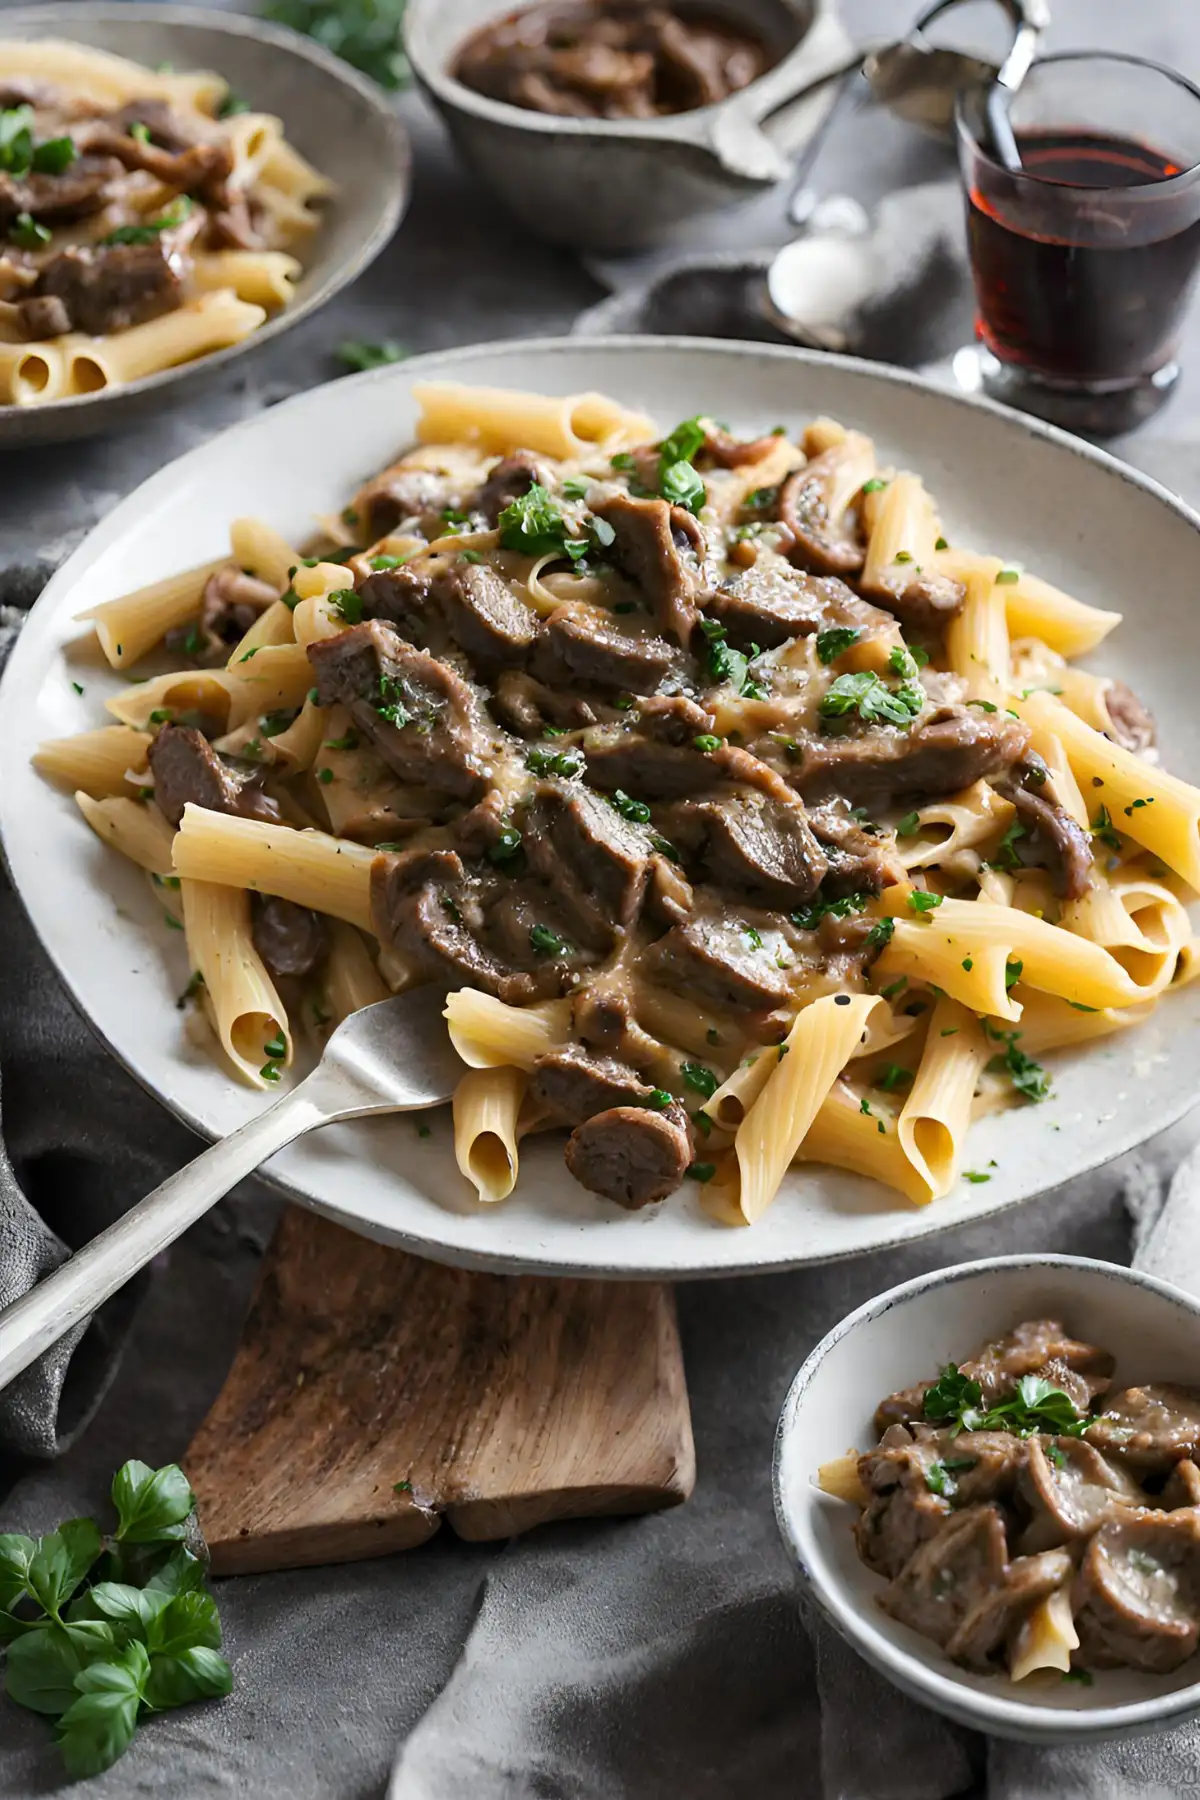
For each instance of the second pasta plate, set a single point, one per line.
(1020, 495)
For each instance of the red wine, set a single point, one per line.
(1083, 288)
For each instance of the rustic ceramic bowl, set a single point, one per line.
(902, 1336)
(614, 184)
(343, 123)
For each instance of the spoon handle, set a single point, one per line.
(74, 1290)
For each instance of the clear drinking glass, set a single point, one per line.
(1084, 259)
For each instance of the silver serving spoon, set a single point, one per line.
(395, 1056)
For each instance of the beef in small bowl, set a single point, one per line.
(611, 59)
(1014, 1538)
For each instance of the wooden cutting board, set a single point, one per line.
(374, 1394)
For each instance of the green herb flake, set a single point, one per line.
(546, 942)
(361, 357)
(893, 1076)
(836, 641)
(700, 1077)
(707, 742)
(923, 903)
(881, 933)
(975, 1175)
(909, 825)
(152, 229)
(700, 1171)
(1008, 577)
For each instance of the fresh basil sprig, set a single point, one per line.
(102, 1630)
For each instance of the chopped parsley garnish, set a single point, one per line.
(1103, 828)
(909, 825)
(975, 1175)
(940, 1476)
(1056, 1456)
(727, 664)
(276, 1048)
(699, 1076)
(752, 937)
(273, 723)
(1028, 1077)
(906, 662)
(380, 563)
(361, 357)
(469, 556)
(575, 487)
(78, 686)
(390, 706)
(364, 33)
(922, 902)
(809, 917)
(231, 105)
(546, 942)
(1006, 851)
(533, 525)
(707, 742)
(1013, 970)
(836, 641)
(873, 700)
(349, 742)
(139, 132)
(968, 963)
(28, 234)
(678, 481)
(903, 556)
(941, 543)
(325, 776)
(1036, 1405)
(566, 763)
(987, 706)
(895, 987)
(636, 810)
(1133, 806)
(270, 1071)
(658, 1099)
(893, 1076)
(506, 846)
(152, 229)
(881, 933)
(1006, 577)
(347, 605)
(874, 485)
(162, 715)
(1084, 1677)
(701, 1171)
(19, 155)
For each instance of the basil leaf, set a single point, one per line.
(186, 1622)
(96, 1730)
(182, 1573)
(61, 1561)
(43, 1664)
(197, 1674)
(152, 1504)
(134, 1608)
(16, 1552)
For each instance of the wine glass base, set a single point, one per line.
(1095, 409)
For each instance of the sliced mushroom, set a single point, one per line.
(1072, 1490)
(950, 1575)
(815, 504)
(1137, 1594)
(1151, 1427)
(1182, 1486)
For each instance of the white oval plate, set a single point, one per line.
(1003, 482)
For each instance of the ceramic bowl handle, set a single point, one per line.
(755, 135)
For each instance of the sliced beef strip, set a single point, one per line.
(773, 602)
(1136, 1597)
(1072, 1495)
(603, 1017)
(168, 129)
(631, 1154)
(292, 940)
(510, 479)
(597, 862)
(1052, 835)
(229, 605)
(201, 168)
(922, 602)
(491, 625)
(526, 706)
(84, 187)
(858, 862)
(401, 493)
(902, 1510)
(825, 545)
(1151, 1427)
(586, 644)
(657, 756)
(656, 546)
(235, 225)
(1132, 723)
(755, 846)
(941, 755)
(109, 288)
(711, 956)
(42, 318)
(425, 905)
(188, 771)
(950, 1574)
(1182, 1486)
(986, 1628)
(402, 598)
(570, 1085)
(423, 719)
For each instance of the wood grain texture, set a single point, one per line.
(504, 1401)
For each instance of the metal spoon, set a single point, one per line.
(395, 1056)
(920, 81)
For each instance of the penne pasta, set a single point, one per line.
(488, 1034)
(138, 831)
(499, 419)
(243, 1007)
(136, 622)
(328, 874)
(351, 977)
(212, 322)
(933, 1124)
(487, 1103)
(98, 762)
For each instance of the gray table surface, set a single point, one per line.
(457, 272)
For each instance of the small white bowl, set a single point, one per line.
(903, 1336)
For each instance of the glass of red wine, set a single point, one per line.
(1084, 257)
